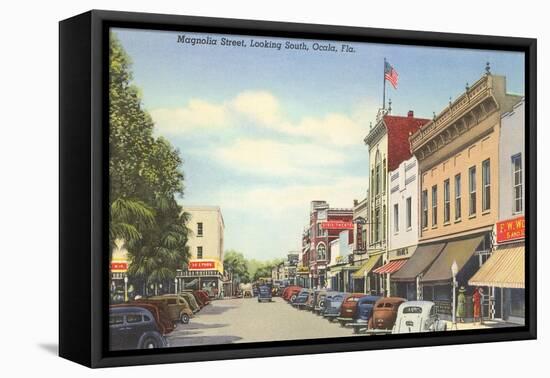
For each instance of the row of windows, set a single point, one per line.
(472, 196)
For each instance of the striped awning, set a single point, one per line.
(367, 266)
(505, 268)
(391, 267)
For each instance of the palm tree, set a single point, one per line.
(129, 217)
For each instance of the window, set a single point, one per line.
(517, 184)
(472, 189)
(116, 319)
(199, 253)
(321, 252)
(409, 212)
(434, 205)
(396, 218)
(486, 182)
(376, 225)
(199, 229)
(424, 208)
(458, 197)
(377, 167)
(133, 318)
(446, 201)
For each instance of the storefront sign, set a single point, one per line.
(204, 265)
(509, 230)
(337, 225)
(119, 266)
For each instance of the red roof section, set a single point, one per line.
(399, 128)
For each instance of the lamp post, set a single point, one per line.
(175, 285)
(454, 271)
(125, 288)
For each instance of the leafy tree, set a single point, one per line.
(145, 179)
(235, 263)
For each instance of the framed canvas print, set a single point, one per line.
(233, 188)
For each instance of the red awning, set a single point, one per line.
(391, 267)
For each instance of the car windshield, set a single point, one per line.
(352, 299)
(412, 310)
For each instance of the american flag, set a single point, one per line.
(391, 75)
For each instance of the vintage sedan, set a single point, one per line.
(318, 295)
(202, 297)
(303, 297)
(291, 292)
(418, 316)
(363, 313)
(333, 304)
(157, 309)
(134, 327)
(348, 310)
(178, 308)
(384, 314)
(264, 294)
(190, 298)
(322, 302)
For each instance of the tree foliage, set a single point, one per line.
(145, 179)
(235, 263)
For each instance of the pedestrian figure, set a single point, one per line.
(476, 298)
(461, 306)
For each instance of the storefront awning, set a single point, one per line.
(391, 267)
(505, 268)
(419, 262)
(367, 266)
(459, 251)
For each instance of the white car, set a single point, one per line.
(418, 316)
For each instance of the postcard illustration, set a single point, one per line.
(266, 189)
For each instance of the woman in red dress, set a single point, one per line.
(477, 304)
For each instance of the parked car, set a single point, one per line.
(323, 300)
(348, 309)
(384, 313)
(264, 294)
(302, 298)
(418, 316)
(165, 324)
(134, 327)
(317, 295)
(291, 292)
(333, 305)
(363, 312)
(191, 301)
(178, 308)
(201, 297)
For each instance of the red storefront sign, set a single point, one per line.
(119, 266)
(337, 225)
(511, 229)
(201, 265)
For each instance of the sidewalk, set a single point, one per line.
(485, 324)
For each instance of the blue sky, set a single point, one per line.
(264, 131)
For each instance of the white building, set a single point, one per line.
(205, 268)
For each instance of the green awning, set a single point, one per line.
(367, 266)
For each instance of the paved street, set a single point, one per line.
(246, 320)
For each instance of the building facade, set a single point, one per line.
(206, 242)
(504, 272)
(325, 226)
(458, 157)
(388, 147)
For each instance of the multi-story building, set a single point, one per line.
(388, 147)
(504, 272)
(403, 225)
(205, 267)
(340, 267)
(325, 226)
(458, 157)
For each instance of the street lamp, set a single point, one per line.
(175, 285)
(125, 288)
(454, 271)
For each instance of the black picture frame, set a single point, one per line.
(83, 180)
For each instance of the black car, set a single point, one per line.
(134, 328)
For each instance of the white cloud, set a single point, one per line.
(263, 110)
(274, 158)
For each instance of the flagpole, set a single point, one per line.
(384, 90)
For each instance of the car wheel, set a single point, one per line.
(356, 330)
(150, 343)
(184, 319)
(342, 323)
(292, 298)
